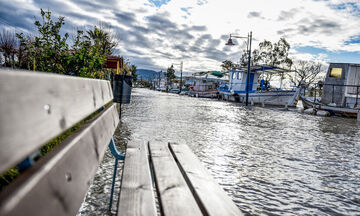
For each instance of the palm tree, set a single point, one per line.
(102, 38)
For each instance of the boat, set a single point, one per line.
(260, 91)
(205, 85)
(340, 91)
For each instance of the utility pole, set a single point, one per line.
(248, 73)
(181, 70)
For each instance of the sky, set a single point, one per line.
(153, 34)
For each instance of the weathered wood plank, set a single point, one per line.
(174, 195)
(57, 183)
(36, 107)
(213, 199)
(137, 193)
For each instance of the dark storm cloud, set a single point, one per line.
(125, 17)
(141, 29)
(180, 48)
(285, 31)
(318, 26)
(54, 6)
(197, 28)
(136, 52)
(160, 23)
(13, 17)
(137, 39)
(286, 15)
(215, 54)
(255, 14)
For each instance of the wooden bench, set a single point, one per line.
(181, 185)
(34, 109)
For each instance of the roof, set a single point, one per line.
(266, 68)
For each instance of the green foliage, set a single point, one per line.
(86, 58)
(227, 65)
(48, 50)
(274, 54)
(8, 177)
(134, 75)
(170, 74)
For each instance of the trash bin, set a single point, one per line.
(122, 88)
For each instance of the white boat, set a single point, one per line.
(260, 91)
(205, 85)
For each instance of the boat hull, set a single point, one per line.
(203, 94)
(273, 98)
(339, 111)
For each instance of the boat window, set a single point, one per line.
(336, 72)
(233, 75)
(237, 75)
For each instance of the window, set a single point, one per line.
(233, 75)
(336, 72)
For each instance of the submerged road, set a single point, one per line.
(270, 162)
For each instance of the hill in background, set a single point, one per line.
(145, 74)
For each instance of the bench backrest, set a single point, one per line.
(35, 108)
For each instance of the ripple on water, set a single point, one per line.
(269, 161)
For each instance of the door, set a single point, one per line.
(251, 82)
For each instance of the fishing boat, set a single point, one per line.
(205, 85)
(340, 91)
(260, 91)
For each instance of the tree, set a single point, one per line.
(273, 54)
(8, 45)
(227, 65)
(133, 70)
(170, 75)
(86, 58)
(101, 37)
(306, 72)
(48, 50)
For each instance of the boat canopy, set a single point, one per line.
(214, 73)
(267, 69)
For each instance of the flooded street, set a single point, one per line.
(269, 161)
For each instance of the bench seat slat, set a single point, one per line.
(58, 182)
(36, 107)
(213, 199)
(174, 195)
(137, 193)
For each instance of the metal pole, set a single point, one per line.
(357, 95)
(181, 69)
(248, 73)
(113, 184)
(315, 94)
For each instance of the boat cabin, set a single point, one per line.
(237, 78)
(342, 85)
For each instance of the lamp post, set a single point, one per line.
(248, 48)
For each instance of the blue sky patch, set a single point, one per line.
(159, 3)
(351, 6)
(339, 56)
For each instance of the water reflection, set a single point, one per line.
(269, 161)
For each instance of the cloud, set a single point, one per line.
(255, 14)
(156, 33)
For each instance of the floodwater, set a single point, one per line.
(269, 161)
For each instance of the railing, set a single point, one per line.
(346, 92)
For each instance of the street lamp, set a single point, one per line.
(248, 48)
